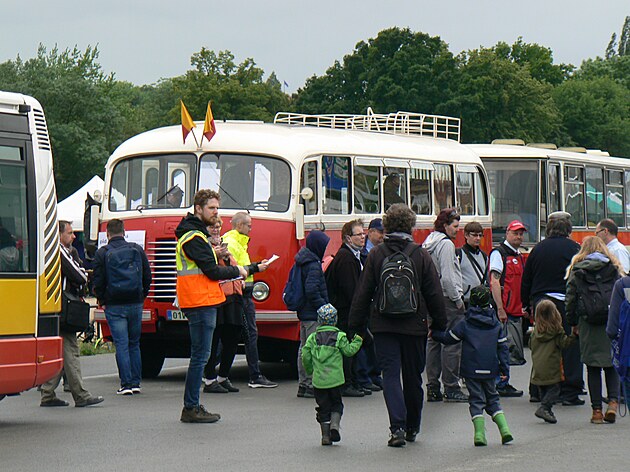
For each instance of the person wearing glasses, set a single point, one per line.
(444, 360)
(342, 279)
(607, 231)
(472, 260)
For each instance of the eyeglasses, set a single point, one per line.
(599, 230)
(476, 235)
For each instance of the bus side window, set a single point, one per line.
(14, 231)
(627, 187)
(394, 186)
(366, 189)
(554, 188)
(481, 193)
(309, 179)
(443, 185)
(574, 194)
(465, 193)
(594, 195)
(335, 183)
(420, 191)
(614, 196)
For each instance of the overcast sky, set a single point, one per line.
(142, 41)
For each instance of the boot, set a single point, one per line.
(480, 431)
(598, 417)
(326, 434)
(335, 419)
(611, 411)
(501, 422)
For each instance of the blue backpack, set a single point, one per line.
(621, 344)
(293, 294)
(123, 271)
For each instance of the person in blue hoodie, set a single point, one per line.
(310, 260)
(485, 355)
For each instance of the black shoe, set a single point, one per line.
(366, 390)
(410, 435)
(226, 384)
(373, 387)
(89, 402)
(397, 438)
(509, 391)
(534, 399)
(198, 414)
(456, 396)
(546, 415)
(350, 391)
(262, 382)
(309, 392)
(301, 390)
(573, 402)
(215, 387)
(434, 395)
(54, 402)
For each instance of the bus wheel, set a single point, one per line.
(152, 362)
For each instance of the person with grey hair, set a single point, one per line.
(544, 279)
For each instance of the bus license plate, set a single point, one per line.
(175, 315)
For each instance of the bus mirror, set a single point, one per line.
(299, 221)
(306, 193)
(94, 211)
(98, 195)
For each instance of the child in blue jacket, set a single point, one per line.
(485, 355)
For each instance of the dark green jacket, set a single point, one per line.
(547, 356)
(322, 355)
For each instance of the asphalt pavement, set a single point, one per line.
(272, 429)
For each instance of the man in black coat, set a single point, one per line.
(400, 341)
(342, 279)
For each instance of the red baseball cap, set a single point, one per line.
(515, 225)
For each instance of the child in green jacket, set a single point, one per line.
(322, 357)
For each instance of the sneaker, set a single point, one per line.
(198, 414)
(54, 402)
(434, 395)
(397, 438)
(89, 402)
(136, 390)
(350, 391)
(262, 382)
(410, 435)
(534, 399)
(374, 387)
(598, 416)
(301, 390)
(456, 396)
(124, 391)
(509, 391)
(215, 387)
(545, 414)
(366, 390)
(573, 402)
(226, 384)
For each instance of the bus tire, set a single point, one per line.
(152, 362)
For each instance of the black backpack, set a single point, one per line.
(594, 290)
(123, 269)
(398, 287)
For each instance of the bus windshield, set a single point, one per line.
(514, 190)
(247, 182)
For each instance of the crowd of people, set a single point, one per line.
(383, 309)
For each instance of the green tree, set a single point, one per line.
(397, 70)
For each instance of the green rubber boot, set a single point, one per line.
(506, 435)
(480, 431)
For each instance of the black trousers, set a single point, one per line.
(328, 401)
(594, 375)
(573, 383)
(549, 394)
(229, 336)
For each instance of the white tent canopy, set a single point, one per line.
(73, 207)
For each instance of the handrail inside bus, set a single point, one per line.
(400, 122)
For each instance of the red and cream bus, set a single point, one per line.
(300, 173)
(530, 182)
(30, 269)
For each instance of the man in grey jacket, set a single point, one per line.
(444, 360)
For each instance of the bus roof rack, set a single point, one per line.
(512, 142)
(597, 152)
(543, 146)
(580, 149)
(401, 122)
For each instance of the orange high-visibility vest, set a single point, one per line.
(194, 289)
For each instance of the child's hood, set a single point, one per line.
(546, 336)
(484, 317)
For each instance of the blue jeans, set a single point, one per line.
(482, 396)
(201, 324)
(125, 323)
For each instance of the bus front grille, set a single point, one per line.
(161, 255)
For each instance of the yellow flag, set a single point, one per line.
(209, 128)
(187, 122)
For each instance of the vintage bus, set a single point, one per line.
(530, 182)
(297, 174)
(30, 269)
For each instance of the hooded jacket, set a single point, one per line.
(310, 260)
(547, 356)
(442, 252)
(430, 300)
(237, 244)
(485, 352)
(342, 280)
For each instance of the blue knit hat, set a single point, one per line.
(327, 315)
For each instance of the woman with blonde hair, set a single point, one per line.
(591, 277)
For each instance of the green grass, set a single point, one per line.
(97, 346)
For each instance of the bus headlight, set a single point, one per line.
(260, 291)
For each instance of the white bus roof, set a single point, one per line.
(294, 143)
(527, 152)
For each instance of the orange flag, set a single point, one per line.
(209, 128)
(187, 122)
